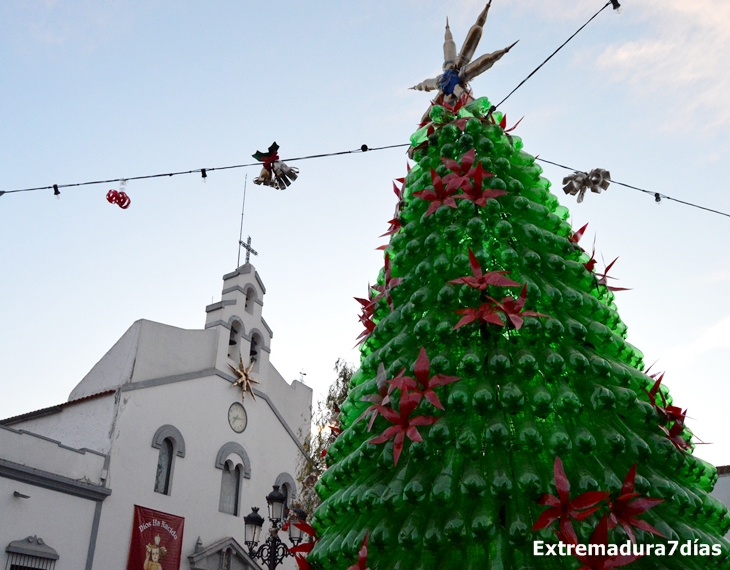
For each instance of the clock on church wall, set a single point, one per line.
(237, 418)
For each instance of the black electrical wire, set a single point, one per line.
(551, 55)
(55, 187)
(657, 195)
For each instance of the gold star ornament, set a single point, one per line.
(244, 378)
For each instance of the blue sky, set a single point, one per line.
(103, 89)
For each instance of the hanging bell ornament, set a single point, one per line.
(275, 173)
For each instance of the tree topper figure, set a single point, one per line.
(459, 69)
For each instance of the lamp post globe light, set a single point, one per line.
(273, 551)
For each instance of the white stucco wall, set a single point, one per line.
(63, 522)
(199, 409)
(85, 424)
(115, 367)
(166, 351)
(39, 453)
(292, 400)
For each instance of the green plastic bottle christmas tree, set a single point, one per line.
(497, 402)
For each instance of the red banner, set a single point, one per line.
(156, 540)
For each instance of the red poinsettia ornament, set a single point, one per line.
(513, 309)
(305, 547)
(674, 434)
(460, 172)
(562, 508)
(390, 282)
(423, 383)
(481, 280)
(628, 505)
(486, 312)
(666, 412)
(575, 236)
(379, 400)
(367, 306)
(439, 196)
(475, 192)
(503, 123)
(595, 560)
(403, 424)
(362, 555)
(604, 277)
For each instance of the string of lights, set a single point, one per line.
(202, 171)
(658, 196)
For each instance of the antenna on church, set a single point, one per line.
(240, 232)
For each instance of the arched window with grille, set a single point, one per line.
(170, 443)
(230, 489)
(235, 466)
(164, 467)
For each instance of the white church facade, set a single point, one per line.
(157, 424)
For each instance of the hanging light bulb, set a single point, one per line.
(616, 7)
(204, 174)
(56, 192)
(658, 198)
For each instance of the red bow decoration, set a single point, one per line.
(628, 506)
(481, 280)
(439, 195)
(362, 556)
(562, 509)
(603, 562)
(119, 198)
(423, 384)
(268, 158)
(404, 425)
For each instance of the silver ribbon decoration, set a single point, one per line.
(596, 181)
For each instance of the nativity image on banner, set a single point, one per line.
(156, 542)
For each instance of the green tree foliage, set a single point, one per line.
(506, 387)
(325, 425)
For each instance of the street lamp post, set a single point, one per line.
(273, 551)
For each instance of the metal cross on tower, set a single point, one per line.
(248, 248)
